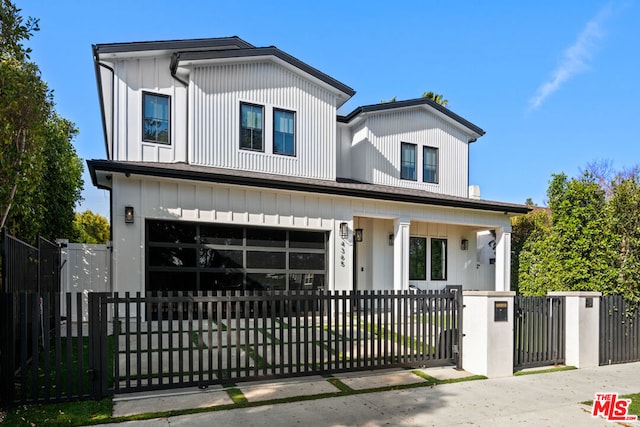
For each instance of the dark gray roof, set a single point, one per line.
(233, 42)
(260, 51)
(347, 188)
(410, 103)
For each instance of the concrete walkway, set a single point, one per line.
(550, 399)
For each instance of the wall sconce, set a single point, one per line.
(344, 230)
(464, 244)
(128, 214)
(391, 239)
(358, 234)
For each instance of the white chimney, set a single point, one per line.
(474, 192)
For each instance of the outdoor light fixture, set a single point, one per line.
(464, 244)
(391, 239)
(344, 230)
(128, 214)
(358, 234)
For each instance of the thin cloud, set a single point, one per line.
(576, 58)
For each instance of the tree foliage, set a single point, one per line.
(436, 97)
(40, 173)
(591, 241)
(90, 228)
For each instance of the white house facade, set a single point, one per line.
(230, 168)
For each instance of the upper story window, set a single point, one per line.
(155, 121)
(284, 132)
(251, 127)
(408, 161)
(430, 165)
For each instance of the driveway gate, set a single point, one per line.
(539, 326)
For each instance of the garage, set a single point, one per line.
(190, 256)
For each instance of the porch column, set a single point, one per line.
(503, 259)
(401, 254)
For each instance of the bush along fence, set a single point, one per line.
(158, 341)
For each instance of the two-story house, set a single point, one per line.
(229, 167)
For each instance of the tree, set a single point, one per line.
(528, 228)
(624, 217)
(386, 102)
(436, 97)
(91, 228)
(40, 173)
(577, 251)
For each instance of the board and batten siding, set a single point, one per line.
(215, 94)
(133, 77)
(375, 156)
(226, 204)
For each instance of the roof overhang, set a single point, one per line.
(444, 113)
(102, 170)
(192, 58)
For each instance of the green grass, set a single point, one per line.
(60, 414)
(634, 408)
(544, 371)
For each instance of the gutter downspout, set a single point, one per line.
(173, 69)
(97, 63)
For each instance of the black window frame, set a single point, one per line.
(426, 149)
(417, 259)
(403, 161)
(146, 94)
(293, 113)
(432, 264)
(262, 143)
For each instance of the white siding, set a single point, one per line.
(376, 142)
(211, 203)
(132, 78)
(215, 96)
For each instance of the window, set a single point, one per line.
(284, 132)
(417, 258)
(438, 259)
(155, 124)
(430, 165)
(408, 161)
(251, 125)
(213, 257)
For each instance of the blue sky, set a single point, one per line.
(555, 85)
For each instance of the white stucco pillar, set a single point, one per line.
(401, 254)
(487, 328)
(503, 259)
(582, 328)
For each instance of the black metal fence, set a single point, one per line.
(539, 328)
(26, 268)
(215, 339)
(619, 331)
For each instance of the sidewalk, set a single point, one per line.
(550, 399)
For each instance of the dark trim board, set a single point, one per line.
(261, 180)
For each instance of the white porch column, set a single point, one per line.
(401, 254)
(503, 259)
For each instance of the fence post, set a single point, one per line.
(97, 350)
(7, 347)
(487, 328)
(582, 327)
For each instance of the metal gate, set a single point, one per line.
(161, 341)
(619, 331)
(539, 327)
